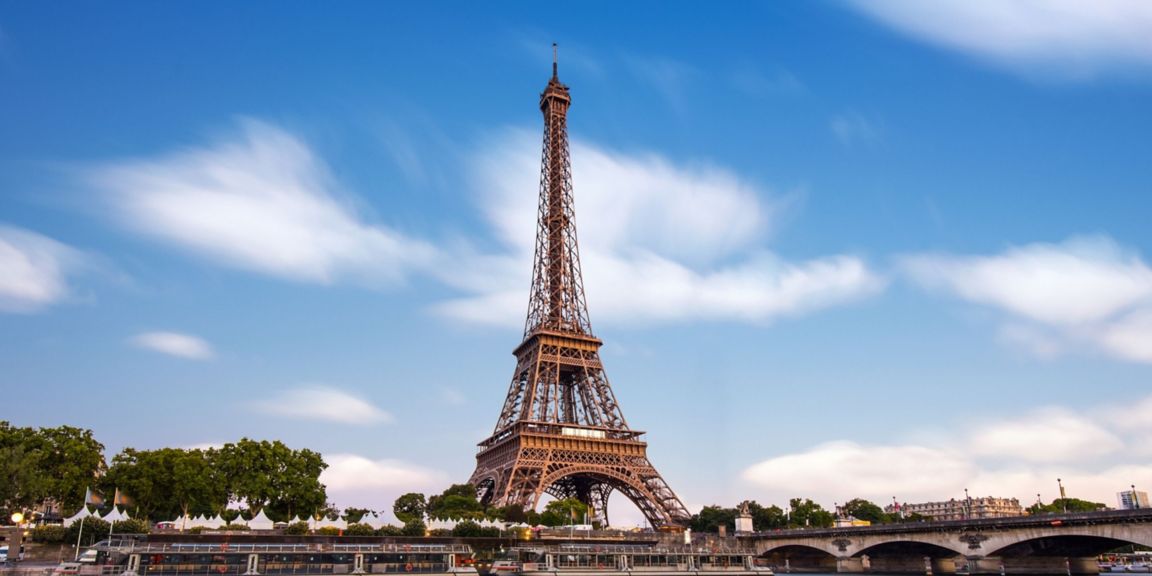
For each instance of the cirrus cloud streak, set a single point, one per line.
(326, 404)
(174, 344)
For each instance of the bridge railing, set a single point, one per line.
(1040, 520)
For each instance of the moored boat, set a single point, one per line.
(248, 558)
(621, 560)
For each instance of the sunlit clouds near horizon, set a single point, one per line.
(1096, 452)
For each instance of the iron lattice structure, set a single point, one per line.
(561, 431)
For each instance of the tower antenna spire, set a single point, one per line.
(554, 60)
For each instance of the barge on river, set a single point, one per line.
(131, 557)
(628, 560)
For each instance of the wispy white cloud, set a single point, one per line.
(659, 242)
(854, 130)
(755, 82)
(1017, 457)
(670, 78)
(1066, 437)
(1086, 289)
(34, 270)
(1068, 39)
(1130, 337)
(324, 403)
(453, 397)
(174, 344)
(261, 201)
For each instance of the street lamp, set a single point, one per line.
(1135, 499)
(1063, 498)
(967, 504)
(16, 541)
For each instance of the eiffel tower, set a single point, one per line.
(561, 432)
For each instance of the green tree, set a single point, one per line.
(357, 529)
(71, 460)
(563, 512)
(47, 463)
(50, 534)
(1060, 505)
(130, 526)
(297, 529)
(414, 528)
(711, 518)
(862, 509)
(766, 518)
(354, 515)
(89, 531)
(271, 476)
(458, 502)
(166, 483)
(509, 513)
(21, 483)
(807, 513)
(409, 507)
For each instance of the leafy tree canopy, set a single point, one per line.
(409, 507)
(711, 518)
(457, 502)
(563, 512)
(862, 509)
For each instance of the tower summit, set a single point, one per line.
(561, 432)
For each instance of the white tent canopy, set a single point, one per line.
(81, 514)
(261, 522)
(116, 516)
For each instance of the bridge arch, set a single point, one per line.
(1085, 544)
(801, 558)
(911, 547)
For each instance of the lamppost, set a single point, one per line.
(967, 505)
(1063, 498)
(1135, 499)
(16, 542)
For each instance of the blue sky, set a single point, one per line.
(834, 249)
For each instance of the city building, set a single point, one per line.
(1132, 499)
(963, 509)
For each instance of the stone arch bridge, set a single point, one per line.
(1050, 544)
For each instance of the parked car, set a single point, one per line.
(67, 569)
(4, 554)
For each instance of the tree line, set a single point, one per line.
(61, 464)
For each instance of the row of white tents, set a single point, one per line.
(262, 522)
(115, 515)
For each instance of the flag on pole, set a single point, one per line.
(121, 499)
(92, 498)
